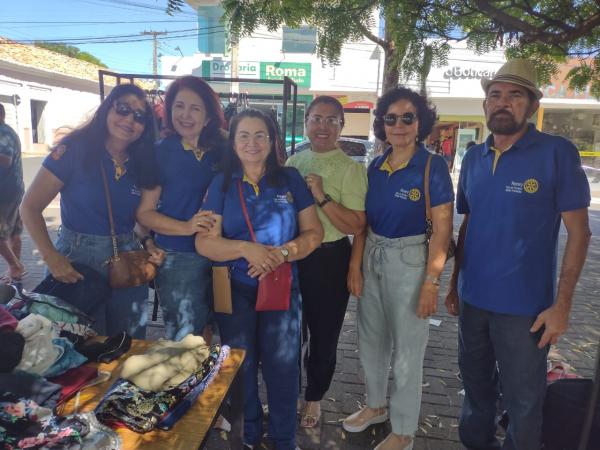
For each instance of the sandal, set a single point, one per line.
(309, 419)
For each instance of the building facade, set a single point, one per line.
(44, 93)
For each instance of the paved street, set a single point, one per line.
(441, 388)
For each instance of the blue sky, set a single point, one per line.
(125, 18)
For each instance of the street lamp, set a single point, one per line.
(174, 66)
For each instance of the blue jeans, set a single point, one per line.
(184, 284)
(271, 338)
(127, 309)
(484, 339)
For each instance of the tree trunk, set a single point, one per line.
(391, 70)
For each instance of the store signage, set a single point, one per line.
(459, 72)
(218, 68)
(299, 72)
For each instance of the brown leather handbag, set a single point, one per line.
(126, 269)
(428, 221)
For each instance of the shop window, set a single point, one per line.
(579, 126)
(299, 40)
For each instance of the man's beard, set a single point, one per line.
(504, 123)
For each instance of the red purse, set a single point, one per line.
(274, 290)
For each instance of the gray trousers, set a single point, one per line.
(389, 329)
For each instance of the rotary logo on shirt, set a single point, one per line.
(284, 198)
(530, 186)
(408, 194)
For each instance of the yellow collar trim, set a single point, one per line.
(386, 167)
(497, 154)
(120, 169)
(253, 184)
(198, 152)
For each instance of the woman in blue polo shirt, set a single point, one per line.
(187, 159)
(282, 213)
(118, 138)
(399, 282)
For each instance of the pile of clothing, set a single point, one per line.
(45, 343)
(157, 388)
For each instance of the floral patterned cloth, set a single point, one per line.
(142, 410)
(26, 425)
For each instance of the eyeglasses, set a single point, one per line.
(330, 121)
(407, 118)
(245, 138)
(124, 110)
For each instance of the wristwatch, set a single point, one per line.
(435, 281)
(285, 252)
(326, 200)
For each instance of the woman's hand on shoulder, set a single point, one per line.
(201, 222)
(428, 299)
(60, 267)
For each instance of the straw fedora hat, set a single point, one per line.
(518, 71)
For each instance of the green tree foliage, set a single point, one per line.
(70, 51)
(404, 40)
(417, 32)
(547, 32)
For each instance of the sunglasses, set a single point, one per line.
(124, 110)
(407, 118)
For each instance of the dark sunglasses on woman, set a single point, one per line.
(407, 118)
(124, 110)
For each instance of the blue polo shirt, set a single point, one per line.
(395, 202)
(184, 180)
(514, 201)
(273, 212)
(82, 201)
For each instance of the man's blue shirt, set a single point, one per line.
(514, 200)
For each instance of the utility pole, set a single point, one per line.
(154, 35)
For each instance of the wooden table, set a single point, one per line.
(191, 430)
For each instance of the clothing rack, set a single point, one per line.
(288, 95)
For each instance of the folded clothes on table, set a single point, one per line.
(166, 364)
(142, 410)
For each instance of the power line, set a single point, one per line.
(123, 41)
(122, 37)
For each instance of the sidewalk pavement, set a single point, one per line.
(441, 384)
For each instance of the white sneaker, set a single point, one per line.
(355, 423)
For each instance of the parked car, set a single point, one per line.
(358, 149)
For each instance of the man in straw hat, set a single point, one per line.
(513, 190)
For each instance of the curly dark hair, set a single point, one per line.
(274, 164)
(327, 100)
(211, 135)
(92, 137)
(426, 113)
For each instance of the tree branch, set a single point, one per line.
(370, 36)
(505, 18)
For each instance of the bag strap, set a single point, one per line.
(426, 188)
(245, 210)
(113, 235)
